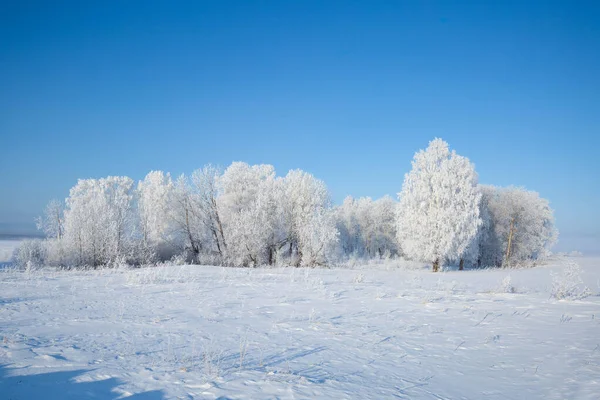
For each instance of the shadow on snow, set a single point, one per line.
(62, 385)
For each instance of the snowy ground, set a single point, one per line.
(209, 332)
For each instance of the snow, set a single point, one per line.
(7, 247)
(368, 333)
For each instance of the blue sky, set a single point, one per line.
(345, 90)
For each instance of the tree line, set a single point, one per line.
(246, 215)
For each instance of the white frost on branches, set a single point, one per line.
(246, 215)
(438, 213)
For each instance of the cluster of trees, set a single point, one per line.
(445, 216)
(244, 216)
(367, 228)
(248, 216)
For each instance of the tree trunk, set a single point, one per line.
(510, 239)
(58, 225)
(193, 243)
(270, 255)
(436, 265)
(118, 242)
(219, 225)
(214, 232)
(80, 248)
(461, 265)
(299, 260)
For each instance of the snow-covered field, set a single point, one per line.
(211, 332)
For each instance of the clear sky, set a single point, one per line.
(345, 90)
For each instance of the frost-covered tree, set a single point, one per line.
(250, 206)
(206, 184)
(348, 225)
(51, 223)
(99, 220)
(186, 218)
(155, 197)
(249, 216)
(474, 254)
(520, 228)
(119, 193)
(367, 228)
(365, 216)
(309, 219)
(488, 246)
(384, 222)
(317, 236)
(438, 212)
(82, 218)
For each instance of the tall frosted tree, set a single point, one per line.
(154, 200)
(187, 219)
(385, 228)
(438, 212)
(52, 223)
(206, 184)
(349, 227)
(250, 205)
(309, 220)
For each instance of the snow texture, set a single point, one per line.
(365, 333)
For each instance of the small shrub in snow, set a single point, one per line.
(178, 259)
(359, 278)
(449, 287)
(30, 254)
(568, 284)
(506, 286)
(212, 359)
(243, 349)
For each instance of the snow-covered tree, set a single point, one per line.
(51, 223)
(349, 228)
(250, 206)
(384, 222)
(206, 184)
(155, 195)
(186, 218)
(249, 216)
(367, 228)
(521, 226)
(474, 254)
(317, 235)
(119, 193)
(309, 219)
(364, 214)
(99, 218)
(438, 212)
